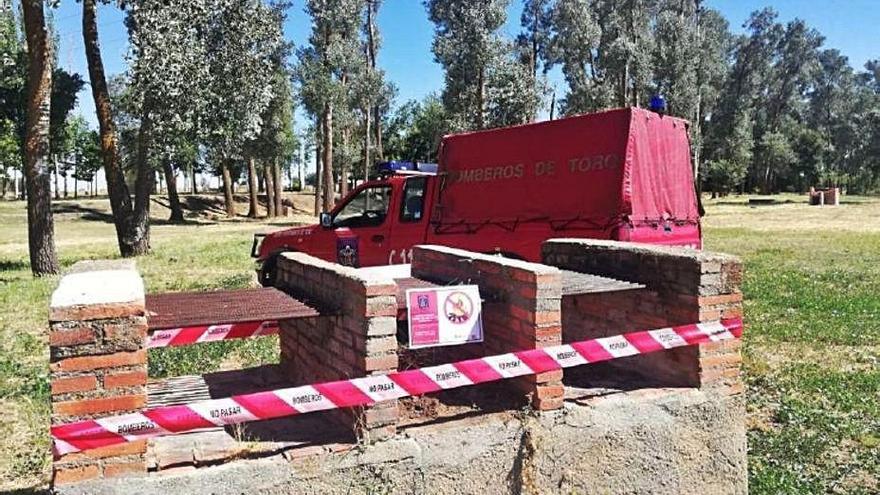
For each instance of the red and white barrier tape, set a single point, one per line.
(84, 435)
(210, 333)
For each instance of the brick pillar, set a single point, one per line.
(98, 361)
(720, 363)
(683, 286)
(354, 337)
(522, 308)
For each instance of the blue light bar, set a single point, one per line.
(398, 166)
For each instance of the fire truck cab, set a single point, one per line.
(622, 174)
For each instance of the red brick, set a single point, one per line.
(72, 336)
(710, 315)
(548, 404)
(74, 384)
(521, 275)
(125, 379)
(383, 362)
(732, 312)
(380, 416)
(545, 332)
(97, 311)
(718, 374)
(549, 376)
(721, 361)
(102, 405)
(721, 347)
(125, 331)
(64, 475)
(549, 391)
(128, 448)
(303, 452)
(546, 317)
(86, 363)
(381, 290)
(124, 468)
(720, 299)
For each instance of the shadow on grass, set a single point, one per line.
(13, 265)
(195, 205)
(28, 491)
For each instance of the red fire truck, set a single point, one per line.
(622, 174)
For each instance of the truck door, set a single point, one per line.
(362, 227)
(411, 225)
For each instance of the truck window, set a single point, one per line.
(367, 209)
(413, 199)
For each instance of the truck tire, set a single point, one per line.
(269, 270)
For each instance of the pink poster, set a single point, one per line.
(444, 316)
(424, 325)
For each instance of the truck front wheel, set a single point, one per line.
(269, 271)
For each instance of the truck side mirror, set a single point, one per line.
(326, 220)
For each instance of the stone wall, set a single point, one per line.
(647, 442)
(356, 337)
(97, 362)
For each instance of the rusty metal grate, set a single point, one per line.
(576, 283)
(183, 309)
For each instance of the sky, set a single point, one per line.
(852, 26)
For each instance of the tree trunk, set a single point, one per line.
(192, 170)
(300, 169)
(75, 184)
(252, 187)
(41, 226)
(171, 186)
(140, 219)
(227, 189)
(55, 175)
(319, 123)
(371, 52)
(279, 187)
(367, 119)
(127, 233)
(270, 190)
(327, 148)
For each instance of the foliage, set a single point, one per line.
(13, 80)
(415, 129)
(724, 176)
(487, 84)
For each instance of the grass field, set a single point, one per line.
(812, 348)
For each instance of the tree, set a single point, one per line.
(130, 219)
(466, 44)
(41, 226)
(243, 39)
(322, 74)
(533, 45)
(775, 158)
(168, 79)
(724, 175)
(625, 48)
(574, 46)
(415, 130)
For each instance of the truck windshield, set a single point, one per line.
(366, 209)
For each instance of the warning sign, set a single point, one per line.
(444, 316)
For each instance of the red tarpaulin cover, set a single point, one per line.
(596, 169)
